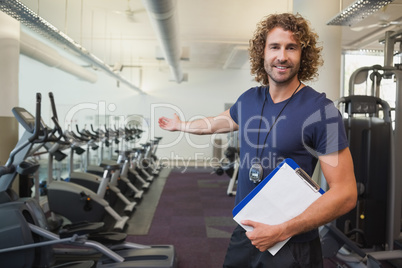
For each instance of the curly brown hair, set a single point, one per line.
(311, 53)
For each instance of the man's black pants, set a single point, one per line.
(242, 254)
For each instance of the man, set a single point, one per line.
(284, 118)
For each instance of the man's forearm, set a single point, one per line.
(327, 208)
(337, 201)
(200, 126)
(209, 125)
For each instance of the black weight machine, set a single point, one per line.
(371, 232)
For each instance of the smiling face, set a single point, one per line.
(282, 56)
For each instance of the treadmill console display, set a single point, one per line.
(27, 115)
(26, 119)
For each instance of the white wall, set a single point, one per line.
(204, 95)
(330, 39)
(9, 49)
(80, 102)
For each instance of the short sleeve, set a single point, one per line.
(235, 109)
(233, 112)
(329, 131)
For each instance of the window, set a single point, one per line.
(353, 60)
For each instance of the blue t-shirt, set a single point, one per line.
(309, 126)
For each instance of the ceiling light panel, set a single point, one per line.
(39, 25)
(358, 11)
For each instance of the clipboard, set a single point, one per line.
(284, 194)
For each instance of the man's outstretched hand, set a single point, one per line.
(170, 124)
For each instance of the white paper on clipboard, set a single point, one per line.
(285, 193)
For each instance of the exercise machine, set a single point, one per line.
(84, 204)
(230, 166)
(25, 240)
(91, 181)
(370, 232)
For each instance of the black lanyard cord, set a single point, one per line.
(276, 119)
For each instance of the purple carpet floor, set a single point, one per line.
(194, 215)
